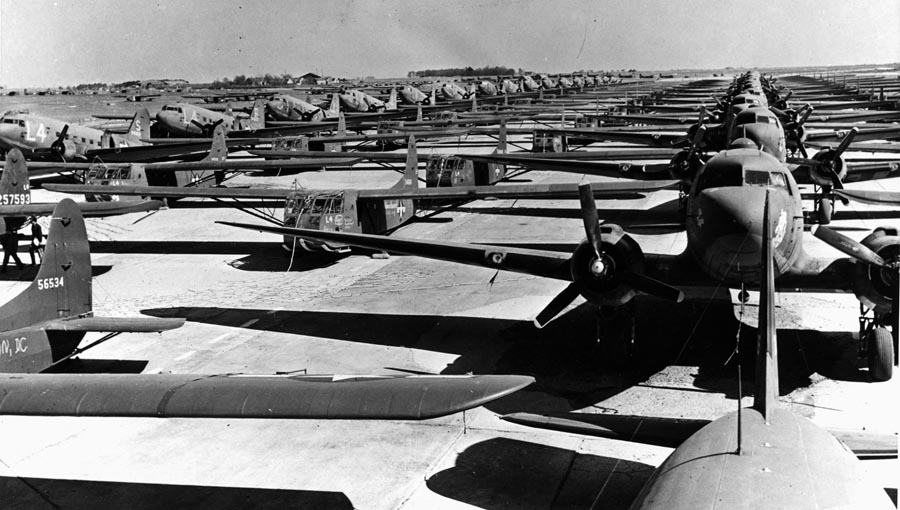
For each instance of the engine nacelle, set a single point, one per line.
(872, 285)
(820, 174)
(620, 252)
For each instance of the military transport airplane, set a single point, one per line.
(283, 107)
(43, 326)
(723, 230)
(185, 119)
(759, 457)
(354, 100)
(43, 138)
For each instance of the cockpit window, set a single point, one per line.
(720, 174)
(765, 119)
(764, 178)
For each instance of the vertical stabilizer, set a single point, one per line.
(410, 177)
(140, 126)
(391, 104)
(218, 151)
(62, 287)
(501, 138)
(419, 113)
(767, 345)
(342, 125)
(432, 99)
(14, 186)
(334, 108)
(257, 115)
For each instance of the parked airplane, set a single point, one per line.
(16, 204)
(185, 119)
(723, 231)
(43, 326)
(357, 101)
(763, 456)
(283, 107)
(43, 138)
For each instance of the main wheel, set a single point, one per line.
(881, 354)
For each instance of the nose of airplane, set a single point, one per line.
(728, 233)
(734, 209)
(168, 119)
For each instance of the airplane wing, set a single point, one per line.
(649, 138)
(525, 191)
(88, 209)
(242, 396)
(670, 432)
(579, 166)
(116, 324)
(172, 192)
(522, 260)
(885, 133)
(859, 172)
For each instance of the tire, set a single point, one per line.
(881, 354)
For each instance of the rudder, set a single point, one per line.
(218, 150)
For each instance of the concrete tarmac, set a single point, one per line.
(251, 310)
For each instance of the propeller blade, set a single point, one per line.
(652, 286)
(698, 137)
(845, 143)
(557, 305)
(807, 111)
(589, 217)
(846, 245)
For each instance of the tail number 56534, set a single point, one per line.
(51, 283)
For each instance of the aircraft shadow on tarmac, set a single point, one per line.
(572, 369)
(189, 247)
(33, 493)
(506, 473)
(29, 272)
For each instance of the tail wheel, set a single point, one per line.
(881, 354)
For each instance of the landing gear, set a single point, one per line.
(877, 344)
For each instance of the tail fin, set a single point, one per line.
(140, 125)
(342, 125)
(501, 138)
(474, 103)
(391, 104)
(432, 99)
(257, 115)
(410, 177)
(334, 109)
(767, 345)
(419, 113)
(218, 151)
(14, 185)
(62, 287)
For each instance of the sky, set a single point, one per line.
(67, 42)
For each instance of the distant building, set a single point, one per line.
(309, 79)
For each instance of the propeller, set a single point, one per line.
(59, 145)
(829, 158)
(602, 265)
(848, 246)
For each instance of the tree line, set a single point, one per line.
(466, 71)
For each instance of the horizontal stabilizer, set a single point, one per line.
(224, 396)
(669, 432)
(113, 324)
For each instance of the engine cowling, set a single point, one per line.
(873, 285)
(601, 280)
(820, 174)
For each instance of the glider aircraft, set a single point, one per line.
(43, 326)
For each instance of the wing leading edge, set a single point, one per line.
(238, 396)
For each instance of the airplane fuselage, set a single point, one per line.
(357, 101)
(284, 107)
(724, 215)
(183, 119)
(28, 132)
